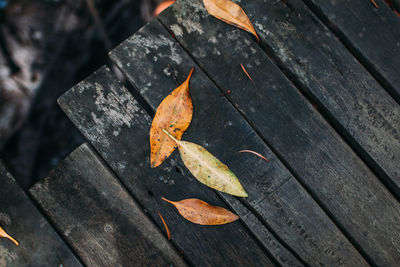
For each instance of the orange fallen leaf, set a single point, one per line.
(175, 114)
(245, 72)
(255, 153)
(5, 235)
(200, 212)
(231, 13)
(162, 6)
(374, 3)
(165, 225)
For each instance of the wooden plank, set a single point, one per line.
(98, 217)
(273, 192)
(341, 183)
(39, 244)
(118, 128)
(354, 102)
(371, 34)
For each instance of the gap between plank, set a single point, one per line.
(140, 206)
(266, 225)
(353, 50)
(372, 165)
(151, 112)
(57, 231)
(136, 201)
(281, 158)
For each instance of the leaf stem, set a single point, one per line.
(169, 201)
(190, 75)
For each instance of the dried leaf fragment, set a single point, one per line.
(200, 212)
(231, 13)
(245, 72)
(208, 169)
(255, 153)
(165, 225)
(175, 114)
(5, 235)
(394, 5)
(162, 6)
(374, 3)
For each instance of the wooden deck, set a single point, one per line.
(323, 108)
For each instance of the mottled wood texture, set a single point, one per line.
(98, 217)
(118, 128)
(343, 90)
(39, 244)
(273, 192)
(341, 183)
(372, 34)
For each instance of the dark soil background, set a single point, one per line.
(46, 47)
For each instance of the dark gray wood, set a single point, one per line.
(330, 170)
(118, 128)
(273, 192)
(372, 34)
(355, 103)
(39, 244)
(98, 217)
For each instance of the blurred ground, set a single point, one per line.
(46, 47)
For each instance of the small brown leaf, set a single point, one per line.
(231, 13)
(175, 114)
(374, 3)
(255, 153)
(5, 235)
(200, 212)
(165, 225)
(245, 72)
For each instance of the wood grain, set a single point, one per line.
(341, 183)
(38, 242)
(216, 125)
(372, 34)
(98, 217)
(114, 123)
(354, 102)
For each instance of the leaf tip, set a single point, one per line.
(243, 194)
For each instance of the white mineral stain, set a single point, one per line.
(152, 44)
(213, 40)
(177, 30)
(193, 23)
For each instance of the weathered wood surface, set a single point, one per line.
(98, 217)
(331, 171)
(372, 34)
(273, 192)
(39, 244)
(355, 103)
(118, 128)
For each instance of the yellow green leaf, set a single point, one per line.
(208, 169)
